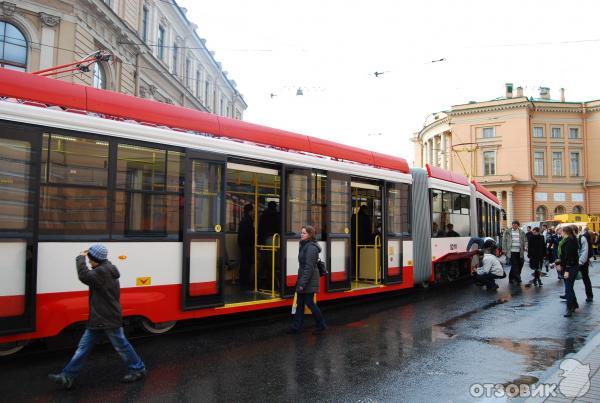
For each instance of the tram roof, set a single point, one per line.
(479, 187)
(77, 98)
(439, 173)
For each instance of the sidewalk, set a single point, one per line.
(574, 375)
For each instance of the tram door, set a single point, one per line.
(366, 235)
(339, 237)
(204, 218)
(19, 195)
(252, 233)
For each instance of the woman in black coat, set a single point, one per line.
(569, 261)
(308, 281)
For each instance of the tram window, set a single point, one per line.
(140, 168)
(461, 224)
(138, 213)
(465, 204)
(175, 171)
(319, 204)
(73, 210)
(206, 196)
(394, 208)
(405, 212)
(297, 203)
(340, 208)
(456, 203)
(74, 160)
(15, 163)
(446, 202)
(436, 201)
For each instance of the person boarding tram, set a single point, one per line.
(245, 241)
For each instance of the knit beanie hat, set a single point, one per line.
(98, 252)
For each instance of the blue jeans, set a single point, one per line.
(569, 283)
(308, 300)
(90, 338)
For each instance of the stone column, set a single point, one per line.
(499, 196)
(444, 152)
(509, 208)
(49, 22)
(430, 152)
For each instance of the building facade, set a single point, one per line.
(155, 51)
(535, 154)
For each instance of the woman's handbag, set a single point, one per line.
(322, 269)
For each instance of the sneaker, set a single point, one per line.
(134, 376)
(62, 380)
(563, 296)
(589, 299)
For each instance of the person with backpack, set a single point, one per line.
(308, 282)
(536, 251)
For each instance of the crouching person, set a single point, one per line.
(105, 317)
(491, 269)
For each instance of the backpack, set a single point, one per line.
(322, 269)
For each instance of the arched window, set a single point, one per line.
(559, 210)
(13, 47)
(541, 213)
(99, 80)
(577, 210)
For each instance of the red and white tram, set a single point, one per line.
(165, 188)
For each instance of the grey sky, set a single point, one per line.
(331, 48)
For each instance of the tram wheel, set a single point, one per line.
(157, 328)
(13, 347)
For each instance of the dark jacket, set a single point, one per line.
(308, 274)
(245, 237)
(569, 252)
(105, 308)
(537, 247)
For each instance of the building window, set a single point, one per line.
(175, 57)
(198, 84)
(99, 77)
(145, 15)
(206, 92)
(556, 133)
(573, 133)
(188, 68)
(489, 162)
(538, 164)
(575, 164)
(13, 47)
(557, 164)
(488, 132)
(538, 132)
(541, 213)
(559, 210)
(161, 42)
(577, 210)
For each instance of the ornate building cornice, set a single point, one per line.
(49, 20)
(490, 108)
(8, 8)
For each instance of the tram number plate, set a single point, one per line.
(453, 246)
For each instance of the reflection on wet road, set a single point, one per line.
(427, 346)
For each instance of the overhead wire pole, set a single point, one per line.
(473, 147)
(82, 65)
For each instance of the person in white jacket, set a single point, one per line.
(491, 269)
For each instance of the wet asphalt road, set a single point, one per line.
(429, 345)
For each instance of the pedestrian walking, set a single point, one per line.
(569, 264)
(536, 251)
(513, 243)
(585, 255)
(105, 317)
(308, 282)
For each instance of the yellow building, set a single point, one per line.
(535, 154)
